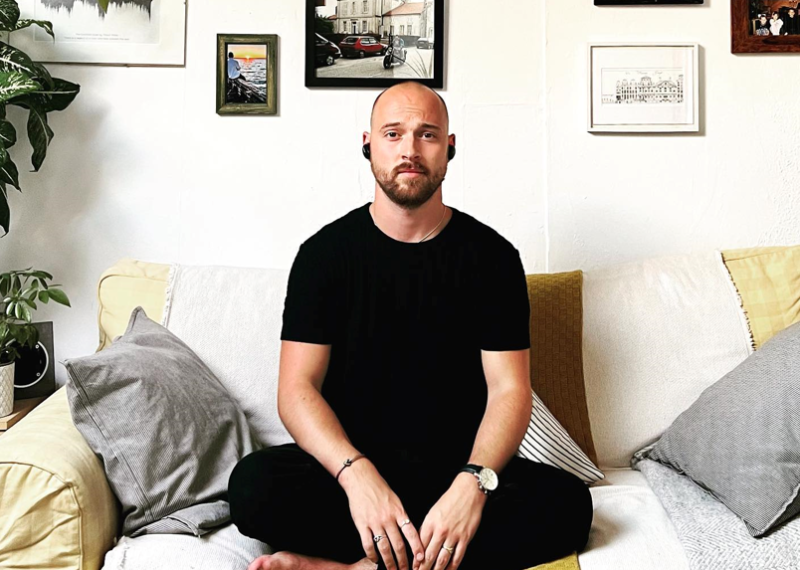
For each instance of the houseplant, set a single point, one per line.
(16, 330)
(30, 86)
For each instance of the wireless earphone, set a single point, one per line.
(451, 151)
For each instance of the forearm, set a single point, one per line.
(315, 428)
(503, 427)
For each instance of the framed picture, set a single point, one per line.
(644, 2)
(247, 80)
(643, 87)
(111, 32)
(374, 43)
(765, 26)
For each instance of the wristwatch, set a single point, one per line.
(487, 478)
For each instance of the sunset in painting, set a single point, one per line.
(248, 52)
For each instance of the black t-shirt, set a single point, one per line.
(406, 323)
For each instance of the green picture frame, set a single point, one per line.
(248, 83)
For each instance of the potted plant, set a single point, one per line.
(16, 330)
(30, 86)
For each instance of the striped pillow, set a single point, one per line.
(547, 442)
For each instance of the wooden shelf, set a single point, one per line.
(21, 409)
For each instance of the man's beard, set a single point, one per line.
(413, 192)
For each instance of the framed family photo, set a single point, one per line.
(374, 43)
(643, 87)
(247, 80)
(765, 26)
(110, 32)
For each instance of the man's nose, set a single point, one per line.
(410, 149)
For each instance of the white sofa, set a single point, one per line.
(640, 355)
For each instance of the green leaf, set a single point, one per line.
(43, 75)
(12, 59)
(14, 83)
(4, 284)
(3, 155)
(47, 26)
(10, 309)
(8, 134)
(42, 275)
(104, 5)
(56, 98)
(5, 212)
(9, 15)
(40, 134)
(44, 297)
(9, 174)
(25, 312)
(58, 296)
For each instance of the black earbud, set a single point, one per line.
(451, 151)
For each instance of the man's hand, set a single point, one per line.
(452, 522)
(377, 510)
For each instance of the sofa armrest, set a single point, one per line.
(56, 508)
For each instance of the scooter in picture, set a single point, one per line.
(395, 53)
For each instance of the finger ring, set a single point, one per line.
(377, 537)
(405, 522)
(449, 549)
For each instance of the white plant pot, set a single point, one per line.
(6, 389)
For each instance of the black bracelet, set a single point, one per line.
(348, 463)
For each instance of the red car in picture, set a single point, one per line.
(361, 46)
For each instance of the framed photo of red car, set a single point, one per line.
(765, 26)
(374, 43)
(247, 80)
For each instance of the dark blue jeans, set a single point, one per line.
(283, 496)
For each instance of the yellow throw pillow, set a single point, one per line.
(768, 281)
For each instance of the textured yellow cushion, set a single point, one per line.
(556, 301)
(56, 509)
(768, 281)
(123, 287)
(567, 563)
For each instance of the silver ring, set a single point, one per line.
(405, 522)
(449, 549)
(377, 537)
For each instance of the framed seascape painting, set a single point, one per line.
(644, 2)
(765, 26)
(374, 43)
(643, 87)
(247, 81)
(111, 32)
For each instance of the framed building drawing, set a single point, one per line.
(111, 32)
(374, 43)
(643, 87)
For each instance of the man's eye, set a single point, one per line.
(390, 134)
(429, 135)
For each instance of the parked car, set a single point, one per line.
(361, 46)
(424, 43)
(326, 52)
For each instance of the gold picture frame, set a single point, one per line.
(247, 74)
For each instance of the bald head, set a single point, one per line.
(411, 89)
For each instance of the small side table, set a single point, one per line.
(21, 409)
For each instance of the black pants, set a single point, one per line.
(283, 496)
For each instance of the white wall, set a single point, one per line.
(142, 166)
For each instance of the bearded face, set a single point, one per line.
(409, 184)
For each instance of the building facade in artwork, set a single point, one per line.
(646, 90)
(385, 17)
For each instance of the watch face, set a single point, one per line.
(488, 479)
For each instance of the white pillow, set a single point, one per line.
(546, 441)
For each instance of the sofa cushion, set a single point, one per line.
(556, 304)
(656, 333)
(739, 439)
(768, 281)
(168, 432)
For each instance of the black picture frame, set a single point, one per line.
(644, 2)
(311, 67)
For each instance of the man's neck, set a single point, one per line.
(410, 226)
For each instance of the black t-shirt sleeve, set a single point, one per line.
(308, 308)
(504, 308)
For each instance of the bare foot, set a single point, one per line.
(285, 560)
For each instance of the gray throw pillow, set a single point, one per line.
(167, 431)
(740, 440)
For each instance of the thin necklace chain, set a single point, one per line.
(444, 213)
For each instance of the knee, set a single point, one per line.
(248, 487)
(582, 508)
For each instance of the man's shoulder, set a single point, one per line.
(336, 231)
(484, 235)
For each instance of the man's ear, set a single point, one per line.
(365, 138)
